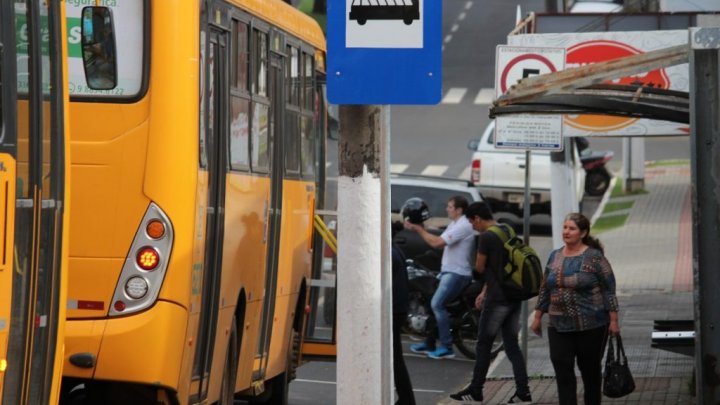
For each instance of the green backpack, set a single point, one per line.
(523, 273)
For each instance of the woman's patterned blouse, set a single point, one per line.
(578, 291)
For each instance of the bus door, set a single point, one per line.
(32, 176)
(276, 124)
(216, 99)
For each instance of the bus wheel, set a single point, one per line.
(227, 389)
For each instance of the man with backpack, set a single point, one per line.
(500, 314)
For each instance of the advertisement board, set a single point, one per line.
(592, 47)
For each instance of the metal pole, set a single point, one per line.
(364, 366)
(705, 186)
(526, 237)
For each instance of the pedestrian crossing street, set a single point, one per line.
(458, 95)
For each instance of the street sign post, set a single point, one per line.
(526, 131)
(384, 51)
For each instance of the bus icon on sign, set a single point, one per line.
(405, 10)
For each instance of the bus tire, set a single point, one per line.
(227, 389)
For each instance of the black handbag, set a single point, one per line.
(617, 380)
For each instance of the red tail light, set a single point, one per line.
(475, 172)
(148, 258)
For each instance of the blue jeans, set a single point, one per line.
(450, 286)
(504, 318)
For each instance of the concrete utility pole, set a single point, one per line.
(705, 158)
(364, 301)
(562, 189)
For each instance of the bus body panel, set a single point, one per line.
(7, 183)
(149, 152)
(82, 337)
(144, 348)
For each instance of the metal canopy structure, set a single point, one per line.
(581, 90)
(608, 99)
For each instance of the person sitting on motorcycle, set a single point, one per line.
(458, 243)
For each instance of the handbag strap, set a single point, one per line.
(621, 350)
(610, 350)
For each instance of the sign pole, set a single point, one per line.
(526, 238)
(364, 366)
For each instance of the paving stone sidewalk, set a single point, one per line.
(651, 258)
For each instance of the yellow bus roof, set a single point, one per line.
(286, 17)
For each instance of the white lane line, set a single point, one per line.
(448, 38)
(454, 95)
(454, 28)
(334, 383)
(485, 96)
(315, 381)
(434, 170)
(462, 16)
(398, 167)
(468, 5)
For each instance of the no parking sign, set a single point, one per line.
(526, 131)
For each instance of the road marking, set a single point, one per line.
(315, 381)
(398, 167)
(334, 383)
(485, 96)
(468, 5)
(434, 170)
(448, 38)
(454, 95)
(462, 16)
(454, 28)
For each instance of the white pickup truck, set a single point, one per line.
(499, 174)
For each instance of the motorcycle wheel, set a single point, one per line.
(465, 336)
(597, 182)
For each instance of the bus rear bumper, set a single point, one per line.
(144, 348)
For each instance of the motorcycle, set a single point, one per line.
(597, 176)
(422, 284)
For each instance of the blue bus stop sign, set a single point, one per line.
(384, 51)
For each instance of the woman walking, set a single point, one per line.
(578, 293)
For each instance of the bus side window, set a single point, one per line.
(98, 48)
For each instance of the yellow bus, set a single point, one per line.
(33, 203)
(195, 164)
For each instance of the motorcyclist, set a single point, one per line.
(458, 245)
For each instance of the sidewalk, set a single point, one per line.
(651, 257)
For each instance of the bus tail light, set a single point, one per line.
(148, 258)
(145, 266)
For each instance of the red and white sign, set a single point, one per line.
(592, 47)
(526, 131)
(513, 63)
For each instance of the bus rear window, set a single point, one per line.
(128, 16)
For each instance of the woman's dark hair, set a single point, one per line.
(584, 225)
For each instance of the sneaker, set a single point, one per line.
(442, 352)
(421, 348)
(520, 399)
(468, 396)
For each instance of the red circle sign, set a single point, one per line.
(590, 52)
(515, 61)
